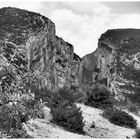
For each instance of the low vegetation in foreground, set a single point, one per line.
(17, 102)
(65, 112)
(20, 101)
(99, 96)
(119, 117)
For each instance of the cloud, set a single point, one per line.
(81, 24)
(84, 30)
(126, 21)
(30, 5)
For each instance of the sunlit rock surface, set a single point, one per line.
(119, 61)
(30, 38)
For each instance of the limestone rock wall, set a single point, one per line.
(119, 61)
(75, 68)
(63, 58)
(30, 39)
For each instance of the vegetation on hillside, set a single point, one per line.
(99, 96)
(17, 24)
(17, 101)
(65, 112)
(120, 118)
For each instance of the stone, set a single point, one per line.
(28, 41)
(118, 61)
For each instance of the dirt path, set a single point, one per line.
(42, 128)
(103, 128)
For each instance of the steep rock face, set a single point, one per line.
(119, 61)
(86, 78)
(89, 62)
(30, 39)
(67, 64)
(75, 68)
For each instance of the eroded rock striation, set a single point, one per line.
(89, 62)
(30, 39)
(118, 61)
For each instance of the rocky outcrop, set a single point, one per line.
(119, 61)
(29, 42)
(67, 64)
(89, 62)
(76, 69)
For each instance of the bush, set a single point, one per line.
(67, 94)
(65, 112)
(14, 114)
(69, 117)
(137, 133)
(16, 133)
(133, 108)
(120, 118)
(32, 109)
(19, 133)
(99, 96)
(79, 94)
(10, 119)
(16, 105)
(43, 94)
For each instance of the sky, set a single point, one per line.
(81, 23)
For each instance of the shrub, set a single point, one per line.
(69, 117)
(19, 133)
(99, 96)
(16, 133)
(67, 94)
(13, 114)
(44, 94)
(120, 118)
(79, 94)
(65, 112)
(137, 133)
(133, 108)
(32, 109)
(10, 119)
(16, 105)
(70, 95)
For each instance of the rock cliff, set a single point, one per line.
(28, 41)
(118, 62)
(89, 62)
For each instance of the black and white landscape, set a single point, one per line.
(69, 69)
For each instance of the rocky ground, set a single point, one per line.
(43, 128)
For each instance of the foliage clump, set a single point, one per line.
(65, 112)
(17, 102)
(99, 96)
(79, 93)
(119, 117)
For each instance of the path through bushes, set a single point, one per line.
(41, 128)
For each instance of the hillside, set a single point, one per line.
(48, 91)
(29, 42)
(89, 61)
(33, 62)
(88, 64)
(116, 62)
(43, 128)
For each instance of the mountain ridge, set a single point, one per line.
(31, 39)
